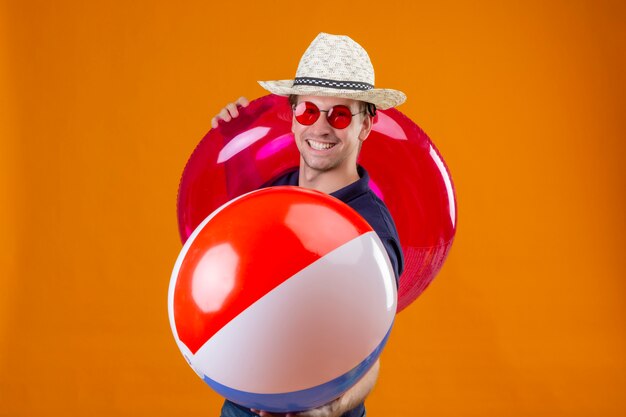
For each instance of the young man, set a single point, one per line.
(333, 100)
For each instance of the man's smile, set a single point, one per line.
(320, 146)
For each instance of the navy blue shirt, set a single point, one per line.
(361, 198)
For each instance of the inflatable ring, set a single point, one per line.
(406, 171)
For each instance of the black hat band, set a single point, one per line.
(343, 85)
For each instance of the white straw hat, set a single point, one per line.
(336, 66)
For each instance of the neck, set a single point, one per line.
(327, 181)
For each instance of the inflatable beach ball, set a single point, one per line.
(282, 299)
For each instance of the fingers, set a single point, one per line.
(232, 110)
(262, 413)
(242, 101)
(229, 112)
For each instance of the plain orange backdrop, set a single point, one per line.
(101, 104)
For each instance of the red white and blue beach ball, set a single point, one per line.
(282, 299)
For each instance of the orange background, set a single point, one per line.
(101, 104)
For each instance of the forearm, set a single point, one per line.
(358, 392)
(349, 400)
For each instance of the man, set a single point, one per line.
(333, 100)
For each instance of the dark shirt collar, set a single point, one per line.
(344, 194)
(355, 189)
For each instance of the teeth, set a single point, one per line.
(319, 146)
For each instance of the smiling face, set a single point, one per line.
(324, 148)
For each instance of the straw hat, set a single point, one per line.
(336, 66)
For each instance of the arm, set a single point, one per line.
(229, 112)
(349, 400)
(354, 396)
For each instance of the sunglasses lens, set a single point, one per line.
(339, 117)
(306, 113)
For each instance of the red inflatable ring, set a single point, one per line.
(405, 168)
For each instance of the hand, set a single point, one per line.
(332, 409)
(229, 112)
(349, 400)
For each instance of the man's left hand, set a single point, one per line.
(332, 409)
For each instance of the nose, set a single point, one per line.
(321, 126)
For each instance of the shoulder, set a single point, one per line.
(288, 178)
(376, 213)
(374, 210)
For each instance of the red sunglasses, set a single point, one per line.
(338, 116)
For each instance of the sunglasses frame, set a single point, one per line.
(328, 114)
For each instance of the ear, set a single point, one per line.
(366, 127)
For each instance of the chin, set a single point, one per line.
(320, 167)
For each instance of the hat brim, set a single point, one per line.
(382, 98)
